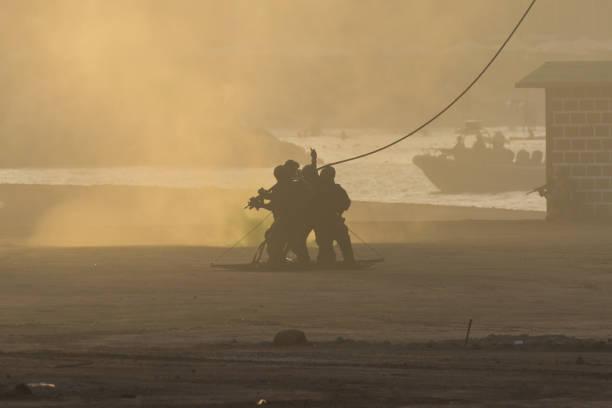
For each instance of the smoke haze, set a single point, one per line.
(112, 82)
(197, 83)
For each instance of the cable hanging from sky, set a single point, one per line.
(433, 118)
(453, 102)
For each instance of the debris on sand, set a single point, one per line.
(262, 402)
(291, 337)
(41, 385)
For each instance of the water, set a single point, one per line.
(388, 176)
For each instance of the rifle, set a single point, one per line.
(258, 201)
(542, 190)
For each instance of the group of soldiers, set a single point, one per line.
(479, 151)
(303, 200)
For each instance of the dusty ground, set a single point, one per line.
(156, 326)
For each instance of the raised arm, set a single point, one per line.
(313, 159)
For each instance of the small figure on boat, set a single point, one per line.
(460, 151)
(302, 201)
(499, 152)
(479, 145)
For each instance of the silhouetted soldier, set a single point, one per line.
(561, 197)
(536, 158)
(277, 236)
(330, 202)
(459, 151)
(479, 145)
(290, 200)
(500, 153)
(522, 158)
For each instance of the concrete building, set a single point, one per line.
(578, 131)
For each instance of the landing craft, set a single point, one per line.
(452, 176)
(485, 170)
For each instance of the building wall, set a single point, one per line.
(579, 141)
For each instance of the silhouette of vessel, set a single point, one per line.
(476, 176)
(487, 167)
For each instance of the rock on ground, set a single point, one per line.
(290, 337)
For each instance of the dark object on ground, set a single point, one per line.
(291, 337)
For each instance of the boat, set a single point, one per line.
(464, 176)
(487, 167)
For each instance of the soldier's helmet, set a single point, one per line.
(499, 139)
(309, 172)
(280, 173)
(292, 168)
(328, 174)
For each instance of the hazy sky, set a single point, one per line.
(134, 79)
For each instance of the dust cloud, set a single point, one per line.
(92, 83)
(199, 83)
(117, 216)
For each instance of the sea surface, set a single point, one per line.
(388, 176)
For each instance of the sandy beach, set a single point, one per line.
(155, 325)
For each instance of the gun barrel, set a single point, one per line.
(538, 189)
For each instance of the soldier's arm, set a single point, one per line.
(267, 206)
(313, 160)
(266, 193)
(343, 199)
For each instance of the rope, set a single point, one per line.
(363, 241)
(447, 107)
(433, 118)
(241, 239)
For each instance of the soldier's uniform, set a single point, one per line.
(277, 236)
(330, 202)
(289, 202)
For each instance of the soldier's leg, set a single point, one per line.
(277, 241)
(344, 241)
(297, 242)
(272, 247)
(325, 242)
